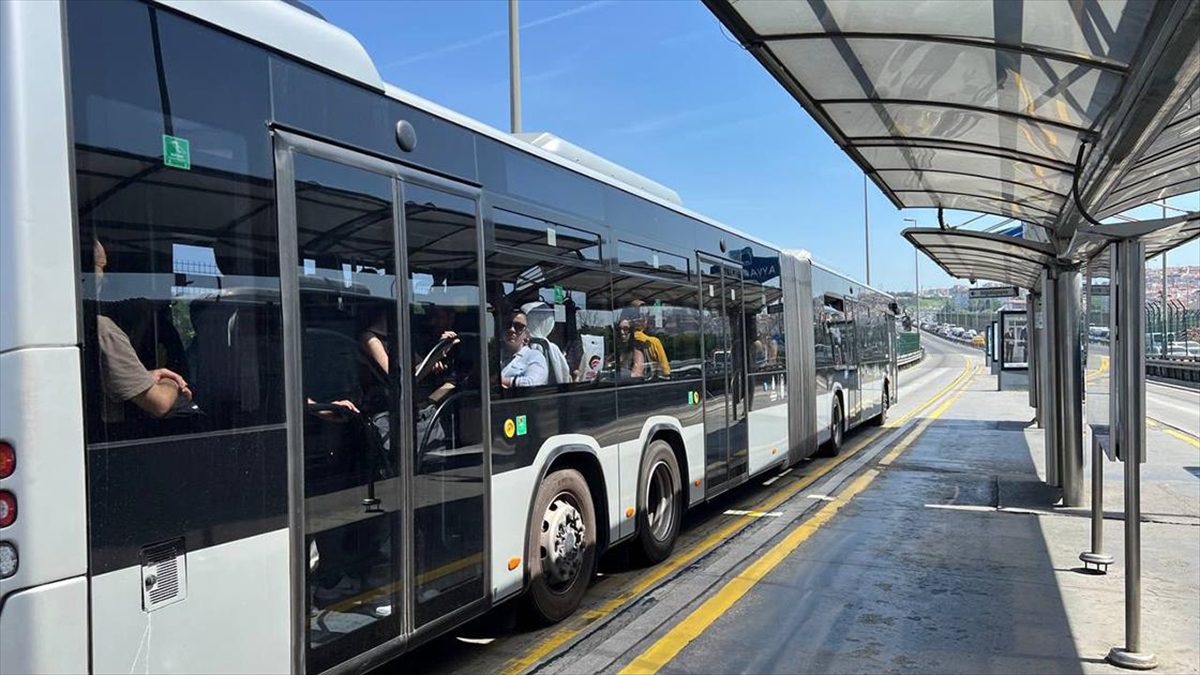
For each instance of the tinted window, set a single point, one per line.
(325, 105)
(180, 266)
(765, 326)
(552, 325)
(350, 384)
(657, 329)
(509, 171)
(657, 262)
(447, 434)
(543, 238)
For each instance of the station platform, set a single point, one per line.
(932, 545)
(954, 559)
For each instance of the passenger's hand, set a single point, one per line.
(347, 405)
(161, 374)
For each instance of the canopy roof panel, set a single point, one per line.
(967, 254)
(982, 105)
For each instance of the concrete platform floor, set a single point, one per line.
(955, 560)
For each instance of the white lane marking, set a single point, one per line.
(781, 474)
(824, 498)
(754, 514)
(961, 507)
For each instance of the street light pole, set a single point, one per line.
(866, 227)
(1165, 315)
(916, 276)
(514, 67)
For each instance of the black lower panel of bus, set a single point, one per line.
(207, 492)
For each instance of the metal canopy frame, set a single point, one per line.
(921, 98)
(975, 255)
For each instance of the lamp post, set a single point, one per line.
(514, 67)
(867, 228)
(1164, 289)
(916, 274)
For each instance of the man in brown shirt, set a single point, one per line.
(122, 374)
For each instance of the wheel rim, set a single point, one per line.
(660, 501)
(562, 541)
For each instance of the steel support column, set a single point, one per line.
(1032, 352)
(1130, 432)
(1048, 384)
(1069, 390)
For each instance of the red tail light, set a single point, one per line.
(8, 459)
(8, 508)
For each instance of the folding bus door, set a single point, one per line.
(387, 467)
(726, 406)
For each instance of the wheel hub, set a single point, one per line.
(562, 541)
(660, 501)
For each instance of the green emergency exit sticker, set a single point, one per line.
(177, 152)
(522, 426)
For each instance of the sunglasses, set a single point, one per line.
(516, 327)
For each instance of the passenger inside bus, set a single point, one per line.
(158, 391)
(521, 365)
(631, 362)
(541, 326)
(660, 364)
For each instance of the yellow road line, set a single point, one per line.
(684, 558)
(1172, 431)
(668, 646)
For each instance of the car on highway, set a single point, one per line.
(1188, 348)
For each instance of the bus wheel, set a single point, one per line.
(885, 403)
(562, 546)
(660, 502)
(837, 428)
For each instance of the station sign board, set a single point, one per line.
(994, 292)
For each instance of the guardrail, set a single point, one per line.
(910, 358)
(1184, 368)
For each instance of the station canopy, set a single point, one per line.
(984, 105)
(969, 254)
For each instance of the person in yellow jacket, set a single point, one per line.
(652, 345)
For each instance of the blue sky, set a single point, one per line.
(660, 88)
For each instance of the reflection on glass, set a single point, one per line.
(447, 434)
(350, 384)
(1097, 377)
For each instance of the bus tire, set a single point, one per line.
(561, 550)
(884, 403)
(837, 429)
(660, 502)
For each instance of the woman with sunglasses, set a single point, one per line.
(520, 365)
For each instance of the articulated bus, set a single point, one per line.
(300, 370)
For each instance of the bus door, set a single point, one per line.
(387, 469)
(726, 445)
(853, 382)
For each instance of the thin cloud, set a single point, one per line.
(496, 34)
(668, 121)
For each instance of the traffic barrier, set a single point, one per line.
(1182, 368)
(910, 358)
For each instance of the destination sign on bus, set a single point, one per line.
(994, 292)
